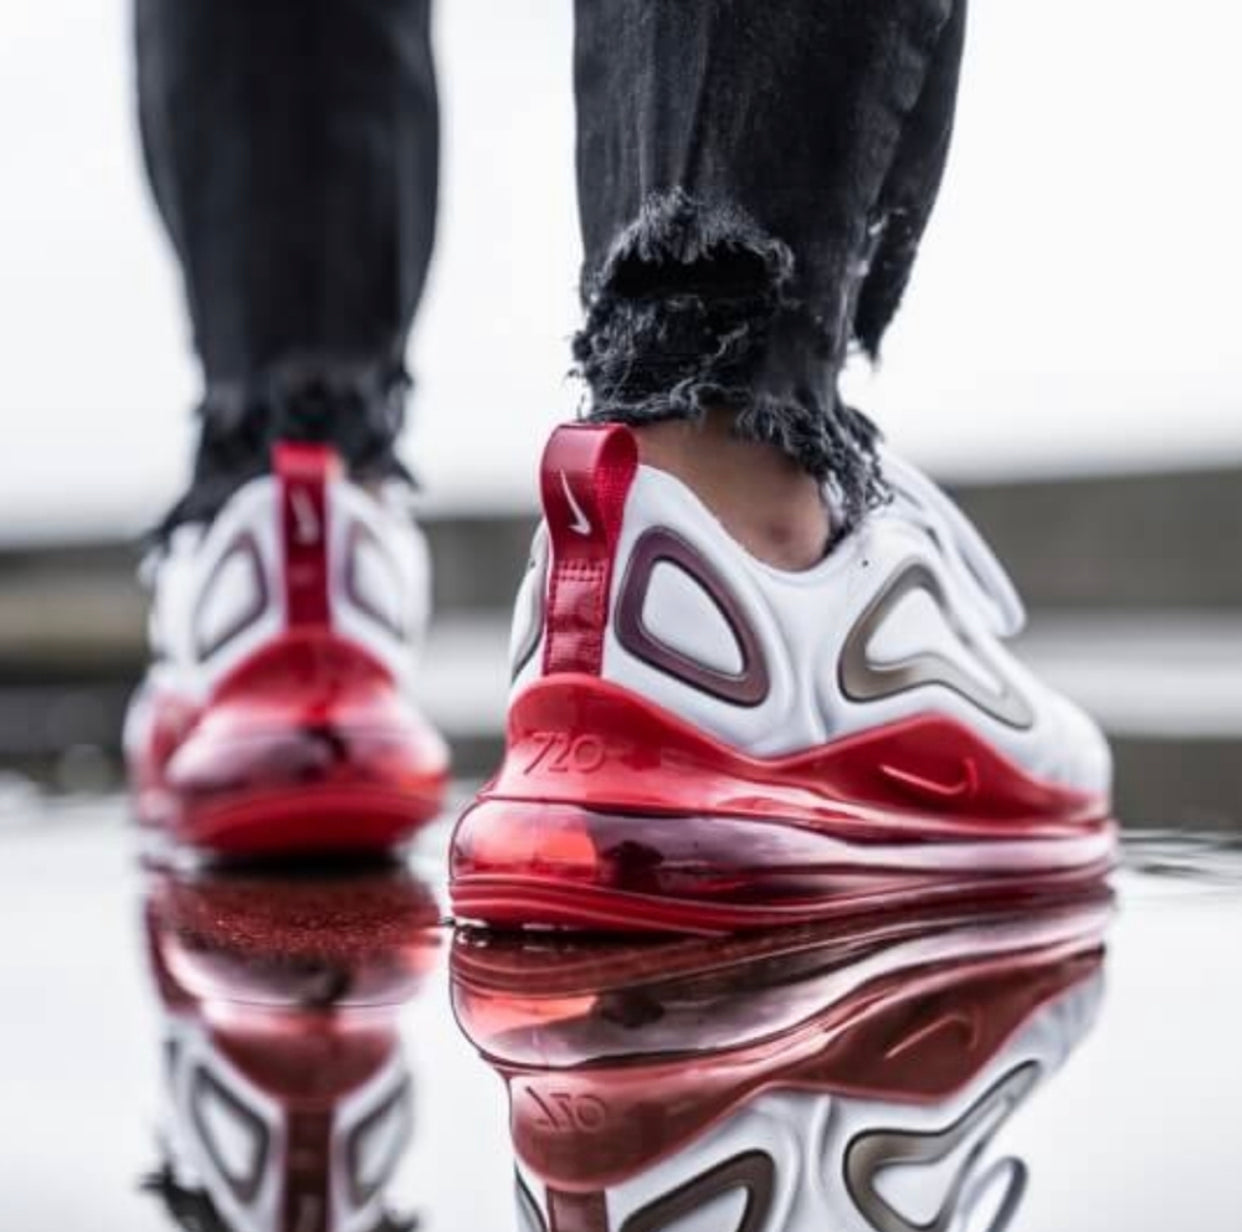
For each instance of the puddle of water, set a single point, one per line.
(299, 1054)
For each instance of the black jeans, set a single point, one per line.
(754, 179)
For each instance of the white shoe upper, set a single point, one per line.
(909, 614)
(220, 592)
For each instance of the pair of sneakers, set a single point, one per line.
(695, 740)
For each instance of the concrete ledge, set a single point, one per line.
(1110, 543)
(1171, 540)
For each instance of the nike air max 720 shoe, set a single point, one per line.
(853, 1078)
(698, 741)
(278, 715)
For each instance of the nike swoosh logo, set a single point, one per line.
(581, 525)
(964, 1025)
(962, 788)
(305, 519)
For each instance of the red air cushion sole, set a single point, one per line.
(612, 814)
(305, 748)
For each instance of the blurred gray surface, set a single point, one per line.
(1119, 542)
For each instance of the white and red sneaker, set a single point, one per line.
(278, 713)
(699, 741)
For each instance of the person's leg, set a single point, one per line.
(698, 740)
(754, 179)
(292, 148)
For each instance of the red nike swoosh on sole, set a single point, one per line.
(965, 787)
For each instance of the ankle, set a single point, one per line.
(765, 501)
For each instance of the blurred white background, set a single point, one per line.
(1075, 307)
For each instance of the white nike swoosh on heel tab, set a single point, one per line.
(581, 525)
(305, 519)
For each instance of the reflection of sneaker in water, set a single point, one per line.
(289, 1101)
(849, 1078)
(278, 715)
(699, 741)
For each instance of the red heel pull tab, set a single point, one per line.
(585, 478)
(304, 471)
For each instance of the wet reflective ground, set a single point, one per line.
(296, 1054)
